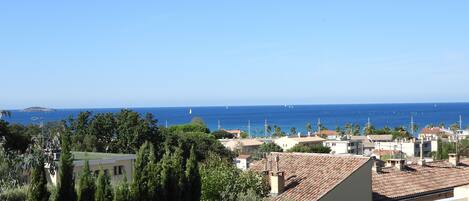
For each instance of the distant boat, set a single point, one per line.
(190, 111)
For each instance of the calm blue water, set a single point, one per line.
(285, 117)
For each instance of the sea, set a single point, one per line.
(253, 118)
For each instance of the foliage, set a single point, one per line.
(222, 134)
(244, 135)
(309, 127)
(310, 149)
(122, 191)
(198, 121)
(142, 188)
(222, 181)
(193, 182)
(293, 131)
(14, 194)
(11, 169)
(250, 195)
(38, 187)
(265, 149)
(17, 137)
(66, 184)
(188, 128)
(103, 187)
(86, 185)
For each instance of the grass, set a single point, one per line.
(95, 155)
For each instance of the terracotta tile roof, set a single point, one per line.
(244, 142)
(433, 130)
(359, 137)
(386, 152)
(243, 156)
(308, 139)
(327, 132)
(417, 180)
(380, 137)
(311, 176)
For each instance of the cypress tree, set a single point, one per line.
(141, 177)
(172, 175)
(38, 187)
(87, 186)
(192, 184)
(66, 184)
(122, 191)
(103, 187)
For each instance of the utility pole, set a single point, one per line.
(249, 128)
(412, 125)
(319, 126)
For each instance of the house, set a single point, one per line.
(434, 133)
(379, 138)
(328, 134)
(432, 181)
(410, 148)
(117, 166)
(346, 146)
(308, 176)
(242, 146)
(288, 142)
(364, 146)
(242, 161)
(387, 154)
(236, 132)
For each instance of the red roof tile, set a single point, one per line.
(311, 176)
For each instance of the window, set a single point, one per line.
(118, 170)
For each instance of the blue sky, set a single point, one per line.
(151, 53)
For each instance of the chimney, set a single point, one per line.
(421, 161)
(453, 159)
(396, 163)
(377, 165)
(277, 179)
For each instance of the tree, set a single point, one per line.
(66, 184)
(309, 127)
(221, 180)
(38, 186)
(141, 188)
(103, 187)
(454, 127)
(293, 131)
(370, 129)
(278, 131)
(193, 183)
(86, 185)
(310, 149)
(122, 191)
(172, 175)
(198, 121)
(269, 147)
(222, 134)
(5, 113)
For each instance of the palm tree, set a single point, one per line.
(6, 113)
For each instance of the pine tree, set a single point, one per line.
(87, 186)
(38, 187)
(103, 187)
(192, 184)
(122, 191)
(66, 184)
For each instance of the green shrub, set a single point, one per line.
(15, 194)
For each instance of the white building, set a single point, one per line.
(411, 148)
(242, 161)
(288, 142)
(117, 166)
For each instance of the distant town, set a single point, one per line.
(127, 156)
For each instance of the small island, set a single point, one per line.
(38, 109)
